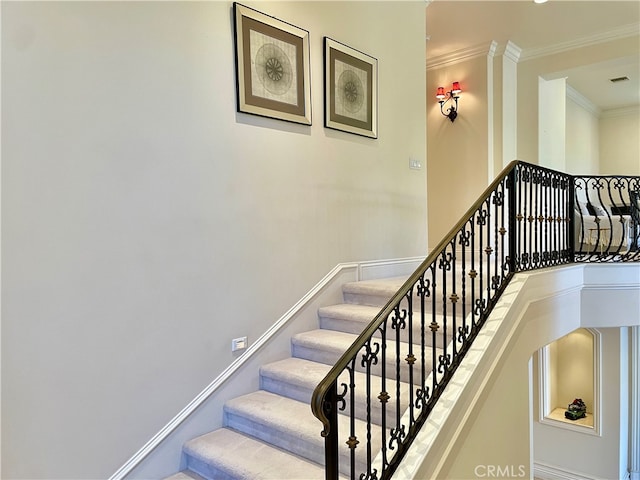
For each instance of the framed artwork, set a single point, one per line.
(272, 67)
(351, 89)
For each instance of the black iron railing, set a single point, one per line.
(607, 214)
(375, 399)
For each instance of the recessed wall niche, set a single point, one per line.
(570, 369)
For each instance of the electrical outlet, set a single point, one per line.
(239, 344)
(415, 164)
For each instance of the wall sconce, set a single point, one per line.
(452, 95)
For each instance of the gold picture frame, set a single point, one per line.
(351, 89)
(272, 67)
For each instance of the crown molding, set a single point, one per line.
(620, 111)
(624, 31)
(512, 51)
(583, 101)
(517, 54)
(462, 55)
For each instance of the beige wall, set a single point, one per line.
(582, 139)
(530, 70)
(620, 142)
(457, 153)
(574, 361)
(145, 223)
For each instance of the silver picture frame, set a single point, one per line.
(272, 67)
(351, 89)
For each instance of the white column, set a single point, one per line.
(509, 103)
(634, 413)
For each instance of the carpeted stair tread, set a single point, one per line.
(376, 293)
(297, 378)
(294, 378)
(354, 318)
(289, 425)
(327, 346)
(372, 292)
(272, 433)
(227, 454)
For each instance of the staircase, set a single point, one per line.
(272, 433)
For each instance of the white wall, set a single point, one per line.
(601, 454)
(551, 123)
(496, 429)
(145, 223)
(484, 423)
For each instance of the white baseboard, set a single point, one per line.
(543, 471)
(388, 268)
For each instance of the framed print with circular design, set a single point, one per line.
(351, 89)
(272, 67)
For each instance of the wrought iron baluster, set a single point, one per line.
(433, 326)
(384, 396)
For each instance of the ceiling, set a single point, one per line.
(454, 25)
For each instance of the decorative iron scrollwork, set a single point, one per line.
(463, 331)
(479, 306)
(340, 399)
(398, 320)
(446, 259)
(396, 435)
(370, 356)
(423, 287)
(498, 198)
(444, 361)
(481, 217)
(373, 475)
(464, 238)
(422, 395)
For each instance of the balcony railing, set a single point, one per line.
(530, 217)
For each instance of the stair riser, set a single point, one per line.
(206, 470)
(356, 327)
(381, 301)
(330, 358)
(303, 394)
